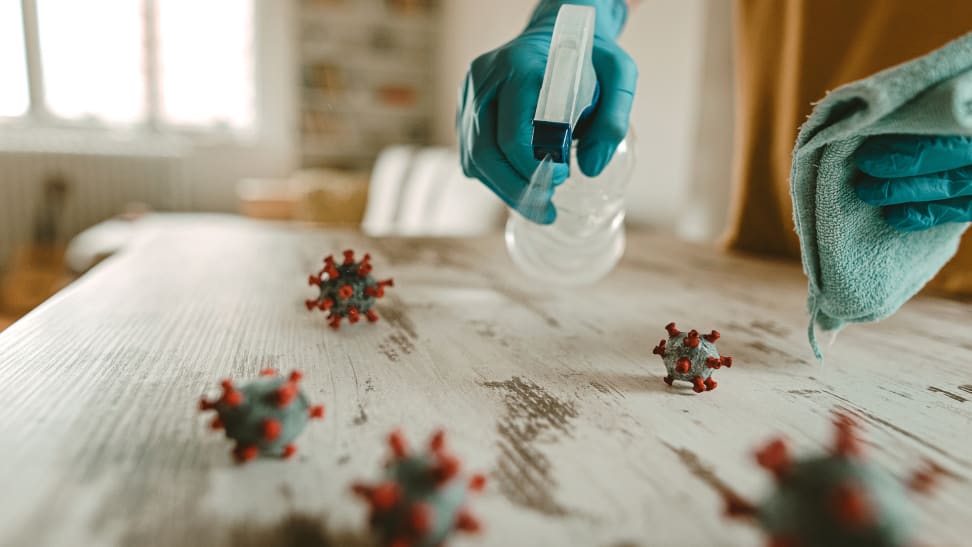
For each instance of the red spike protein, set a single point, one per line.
(833, 499)
(347, 290)
(264, 417)
(691, 357)
(421, 501)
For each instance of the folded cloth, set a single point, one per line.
(859, 268)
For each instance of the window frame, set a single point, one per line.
(40, 122)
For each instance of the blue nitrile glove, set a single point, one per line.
(920, 181)
(499, 99)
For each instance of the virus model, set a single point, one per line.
(263, 416)
(347, 289)
(832, 499)
(421, 501)
(691, 357)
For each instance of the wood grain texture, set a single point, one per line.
(555, 395)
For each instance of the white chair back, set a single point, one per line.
(418, 191)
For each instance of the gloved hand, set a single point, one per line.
(921, 181)
(497, 103)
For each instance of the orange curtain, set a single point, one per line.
(790, 53)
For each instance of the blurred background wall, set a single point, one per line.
(338, 112)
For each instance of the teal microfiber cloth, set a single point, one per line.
(859, 268)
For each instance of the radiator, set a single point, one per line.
(98, 187)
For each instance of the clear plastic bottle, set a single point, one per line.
(587, 239)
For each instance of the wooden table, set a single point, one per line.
(555, 395)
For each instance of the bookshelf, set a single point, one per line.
(365, 68)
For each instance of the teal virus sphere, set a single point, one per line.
(264, 416)
(833, 499)
(347, 290)
(421, 501)
(690, 357)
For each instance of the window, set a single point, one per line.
(210, 84)
(165, 64)
(13, 64)
(91, 61)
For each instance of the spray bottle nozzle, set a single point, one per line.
(569, 83)
(551, 139)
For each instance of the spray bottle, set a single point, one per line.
(587, 238)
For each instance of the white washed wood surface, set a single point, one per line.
(556, 396)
